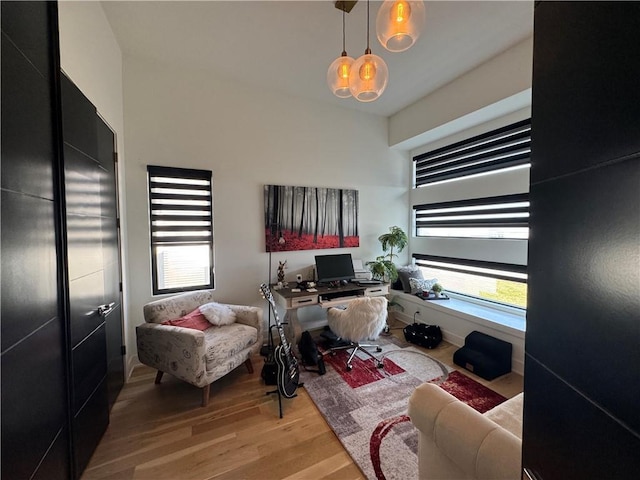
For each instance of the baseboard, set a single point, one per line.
(132, 362)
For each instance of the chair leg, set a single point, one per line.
(353, 354)
(249, 365)
(205, 395)
(159, 377)
(363, 349)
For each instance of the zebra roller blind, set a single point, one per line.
(505, 147)
(180, 208)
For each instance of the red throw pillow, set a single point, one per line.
(195, 320)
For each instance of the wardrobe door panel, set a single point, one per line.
(598, 86)
(29, 289)
(28, 27)
(90, 366)
(85, 294)
(115, 357)
(89, 425)
(78, 119)
(82, 182)
(594, 308)
(33, 399)
(82, 233)
(56, 464)
(572, 438)
(27, 137)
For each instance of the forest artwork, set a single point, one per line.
(310, 218)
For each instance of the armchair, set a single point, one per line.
(195, 356)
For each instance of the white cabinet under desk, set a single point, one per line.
(324, 297)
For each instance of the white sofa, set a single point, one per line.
(197, 357)
(458, 443)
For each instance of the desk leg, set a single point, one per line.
(293, 330)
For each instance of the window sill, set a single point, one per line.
(508, 320)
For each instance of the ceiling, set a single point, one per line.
(287, 46)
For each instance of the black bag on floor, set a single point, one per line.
(428, 336)
(270, 369)
(309, 353)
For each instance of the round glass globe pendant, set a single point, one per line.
(339, 70)
(369, 74)
(338, 76)
(368, 78)
(399, 24)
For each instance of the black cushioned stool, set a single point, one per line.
(484, 355)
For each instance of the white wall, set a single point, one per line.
(250, 138)
(497, 87)
(91, 57)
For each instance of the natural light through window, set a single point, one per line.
(507, 292)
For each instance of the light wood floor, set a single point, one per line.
(162, 432)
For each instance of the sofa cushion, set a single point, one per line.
(405, 273)
(225, 342)
(218, 314)
(418, 285)
(195, 320)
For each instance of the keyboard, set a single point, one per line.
(368, 282)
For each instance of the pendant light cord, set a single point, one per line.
(368, 50)
(344, 48)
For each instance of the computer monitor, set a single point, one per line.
(334, 268)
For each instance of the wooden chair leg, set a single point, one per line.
(159, 377)
(205, 395)
(249, 365)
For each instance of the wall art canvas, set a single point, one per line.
(310, 218)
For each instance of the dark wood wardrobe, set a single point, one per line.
(582, 363)
(62, 349)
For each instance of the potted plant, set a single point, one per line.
(437, 289)
(383, 268)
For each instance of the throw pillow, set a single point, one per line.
(194, 320)
(405, 275)
(421, 285)
(218, 314)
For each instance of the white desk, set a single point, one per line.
(325, 297)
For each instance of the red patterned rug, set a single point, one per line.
(364, 372)
(366, 407)
(474, 394)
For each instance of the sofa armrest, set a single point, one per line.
(252, 316)
(466, 441)
(175, 350)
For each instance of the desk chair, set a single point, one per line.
(363, 319)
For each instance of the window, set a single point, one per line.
(505, 216)
(470, 206)
(496, 282)
(180, 211)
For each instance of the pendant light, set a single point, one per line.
(369, 74)
(399, 24)
(338, 73)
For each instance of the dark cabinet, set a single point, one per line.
(61, 351)
(35, 417)
(582, 362)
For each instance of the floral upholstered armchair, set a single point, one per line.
(196, 339)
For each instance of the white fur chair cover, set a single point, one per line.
(363, 319)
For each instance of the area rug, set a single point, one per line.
(366, 407)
